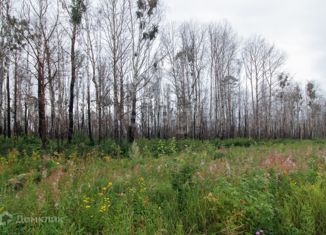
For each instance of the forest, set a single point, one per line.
(112, 70)
(115, 119)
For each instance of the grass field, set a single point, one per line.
(164, 187)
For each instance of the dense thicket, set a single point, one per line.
(111, 69)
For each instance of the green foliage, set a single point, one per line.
(110, 147)
(165, 187)
(182, 179)
(237, 142)
(218, 155)
(24, 145)
(134, 152)
(158, 147)
(78, 8)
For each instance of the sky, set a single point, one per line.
(298, 27)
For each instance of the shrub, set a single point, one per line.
(110, 147)
(134, 152)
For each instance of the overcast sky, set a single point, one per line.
(298, 27)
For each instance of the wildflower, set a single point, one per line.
(211, 198)
(107, 199)
(87, 206)
(104, 188)
(109, 184)
(131, 190)
(86, 200)
(104, 208)
(260, 232)
(141, 184)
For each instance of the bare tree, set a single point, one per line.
(143, 27)
(115, 27)
(76, 10)
(39, 38)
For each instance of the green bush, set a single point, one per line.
(111, 148)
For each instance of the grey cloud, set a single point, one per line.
(297, 27)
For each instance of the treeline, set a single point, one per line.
(111, 69)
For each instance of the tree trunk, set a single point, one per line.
(25, 119)
(1, 103)
(72, 85)
(8, 105)
(41, 104)
(89, 114)
(99, 121)
(52, 101)
(15, 97)
(132, 127)
(116, 101)
(121, 110)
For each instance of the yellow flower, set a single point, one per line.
(86, 200)
(87, 206)
(107, 199)
(107, 158)
(109, 184)
(105, 206)
(211, 198)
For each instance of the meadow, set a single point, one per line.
(237, 186)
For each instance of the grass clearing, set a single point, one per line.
(168, 187)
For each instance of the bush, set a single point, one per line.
(111, 148)
(238, 142)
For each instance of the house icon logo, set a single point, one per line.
(5, 218)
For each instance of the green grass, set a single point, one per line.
(165, 187)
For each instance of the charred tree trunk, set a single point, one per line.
(25, 118)
(41, 104)
(52, 100)
(15, 97)
(99, 121)
(89, 114)
(72, 85)
(121, 110)
(1, 103)
(8, 105)
(116, 101)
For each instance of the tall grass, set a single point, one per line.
(166, 187)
